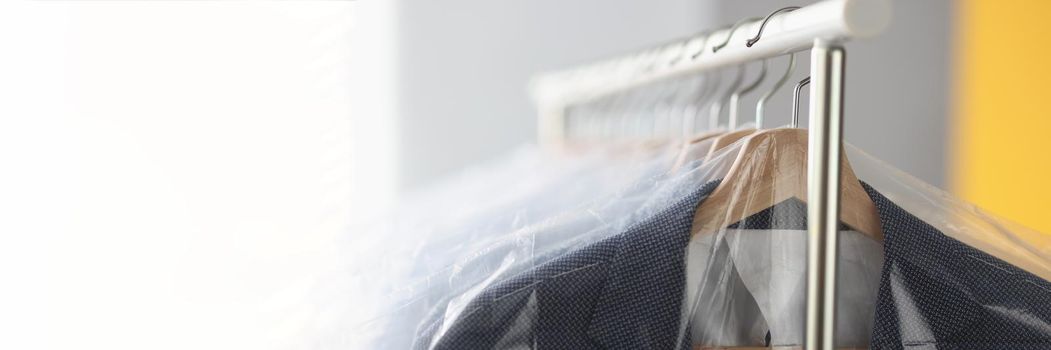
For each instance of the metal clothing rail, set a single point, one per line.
(821, 27)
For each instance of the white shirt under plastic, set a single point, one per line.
(740, 284)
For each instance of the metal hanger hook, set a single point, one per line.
(755, 39)
(707, 36)
(760, 106)
(795, 102)
(736, 96)
(709, 96)
(682, 50)
(719, 104)
(733, 29)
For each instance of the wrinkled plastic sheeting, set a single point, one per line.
(744, 286)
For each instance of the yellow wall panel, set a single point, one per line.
(1002, 127)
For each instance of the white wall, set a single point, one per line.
(167, 169)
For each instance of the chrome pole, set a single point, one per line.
(823, 191)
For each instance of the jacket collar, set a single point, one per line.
(920, 262)
(641, 304)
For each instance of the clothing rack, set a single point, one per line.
(821, 27)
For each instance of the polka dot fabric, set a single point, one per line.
(625, 292)
(938, 293)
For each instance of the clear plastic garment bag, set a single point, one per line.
(682, 244)
(647, 230)
(628, 269)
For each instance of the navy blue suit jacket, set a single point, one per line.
(626, 292)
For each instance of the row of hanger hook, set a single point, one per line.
(701, 86)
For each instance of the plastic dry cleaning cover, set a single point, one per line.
(602, 252)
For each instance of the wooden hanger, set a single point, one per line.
(772, 167)
(688, 149)
(724, 140)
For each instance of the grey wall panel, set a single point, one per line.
(464, 66)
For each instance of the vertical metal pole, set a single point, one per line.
(823, 194)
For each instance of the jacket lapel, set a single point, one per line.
(641, 304)
(909, 279)
(932, 289)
